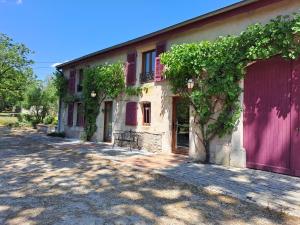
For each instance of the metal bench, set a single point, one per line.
(130, 136)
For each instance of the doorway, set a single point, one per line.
(180, 126)
(272, 116)
(108, 121)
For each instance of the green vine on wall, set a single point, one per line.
(106, 81)
(60, 83)
(218, 66)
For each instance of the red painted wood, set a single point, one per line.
(131, 69)
(70, 114)
(159, 68)
(267, 117)
(71, 82)
(131, 114)
(295, 142)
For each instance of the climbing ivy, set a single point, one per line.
(60, 83)
(218, 66)
(107, 81)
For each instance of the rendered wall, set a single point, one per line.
(228, 150)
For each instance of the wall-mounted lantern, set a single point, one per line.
(93, 94)
(190, 84)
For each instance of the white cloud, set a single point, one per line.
(19, 2)
(55, 64)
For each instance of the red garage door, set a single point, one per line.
(271, 116)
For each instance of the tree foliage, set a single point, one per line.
(107, 81)
(60, 83)
(218, 66)
(41, 100)
(15, 71)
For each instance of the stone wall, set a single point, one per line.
(151, 141)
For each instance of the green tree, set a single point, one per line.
(15, 71)
(41, 100)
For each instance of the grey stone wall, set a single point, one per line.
(148, 141)
(151, 142)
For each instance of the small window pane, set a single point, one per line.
(146, 113)
(153, 61)
(147, 63)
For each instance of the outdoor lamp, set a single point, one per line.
(297, 38)
(93, 94)
(190, 84)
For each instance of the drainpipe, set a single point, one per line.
(59, 105)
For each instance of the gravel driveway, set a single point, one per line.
(42, 182)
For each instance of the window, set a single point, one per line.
(80, 115)
(148, 66)
(146, 113)
(80, 80)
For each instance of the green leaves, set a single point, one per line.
(218, 66)
(107, 81)
(15, 71)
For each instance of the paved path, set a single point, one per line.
(275, 191)
(55, 181)
(271, 190)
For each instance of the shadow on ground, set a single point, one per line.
(50, 181)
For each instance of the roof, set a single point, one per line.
(231, 10)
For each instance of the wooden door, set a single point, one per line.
(108, 121)
(267, 115)
(180, 126)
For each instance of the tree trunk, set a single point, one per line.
(207, 156)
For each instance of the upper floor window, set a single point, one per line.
(148, 66)
(80, 81)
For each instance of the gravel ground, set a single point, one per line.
(41, 183)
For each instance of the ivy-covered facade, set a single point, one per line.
(165, 121)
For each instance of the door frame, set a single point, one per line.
(105, 139)
(175, 149)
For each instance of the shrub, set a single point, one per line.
(48, 120)
(57, 134)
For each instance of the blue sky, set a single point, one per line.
(61, 30)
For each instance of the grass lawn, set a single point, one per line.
(6, 119)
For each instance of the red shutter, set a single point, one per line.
(70, 114)
(71, 83)
(131, 114)
(159, 68)
(131, 69)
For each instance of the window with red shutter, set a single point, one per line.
(160, 48)
(71, 82)
(131, 114)
(148, 66)
(131, 69)
(70, 114)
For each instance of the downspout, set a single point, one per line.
(59, 106)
